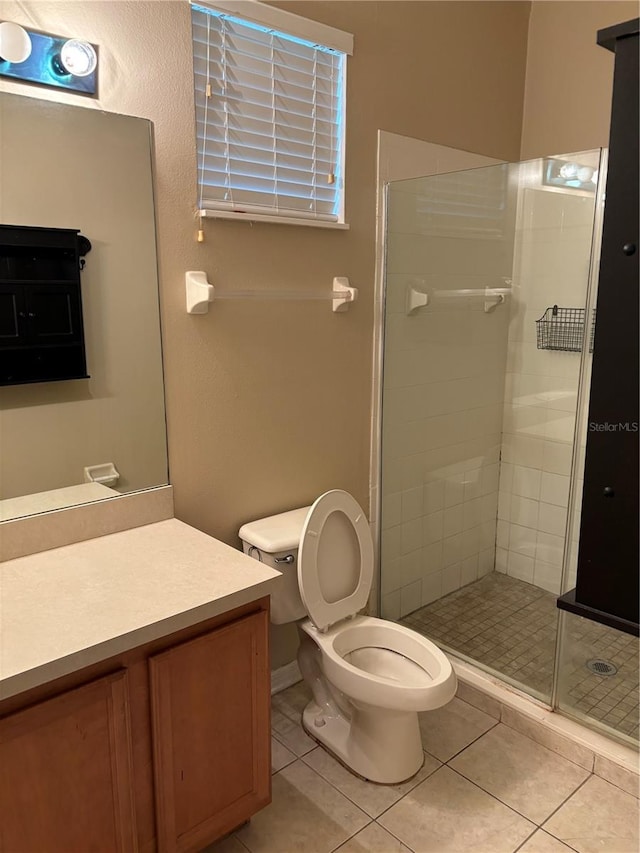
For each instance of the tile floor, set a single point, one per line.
(484, 788)
(613, 700)
(499, 621)
(510, 627)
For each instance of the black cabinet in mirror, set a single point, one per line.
(41, 324)
(81, 387)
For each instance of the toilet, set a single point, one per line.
(369, 677)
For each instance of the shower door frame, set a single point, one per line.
(394, 163)
(388, 172)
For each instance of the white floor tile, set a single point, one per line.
(373, 839)
(451, 728)
(370, 797)
(598, 818)
(280, 755)
(522, 774)
(448, 814)
(306, 813)
(541, 842)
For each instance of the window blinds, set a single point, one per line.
(471, 203)
(269, 119)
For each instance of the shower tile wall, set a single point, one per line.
(443, 390)
(551, 264)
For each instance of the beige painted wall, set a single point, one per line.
(94, 174)
(567, 103)
(269, 403)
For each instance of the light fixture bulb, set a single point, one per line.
(15, 44)
(585, 173)
(78, 58)
(569, 170)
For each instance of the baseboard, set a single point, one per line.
(285, 676)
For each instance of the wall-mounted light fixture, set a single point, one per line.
(47, 60)
(569, 174)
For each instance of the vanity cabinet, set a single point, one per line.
(211, 756)
(163, 748)
(66, 772)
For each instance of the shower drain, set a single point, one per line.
(601, 667)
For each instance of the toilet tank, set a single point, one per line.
(275, 541)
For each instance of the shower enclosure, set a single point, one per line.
(490, 279)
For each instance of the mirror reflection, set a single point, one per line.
(69, 441)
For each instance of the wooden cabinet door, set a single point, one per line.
(65, 773)
(210, 701)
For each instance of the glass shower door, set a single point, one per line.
(478, 413)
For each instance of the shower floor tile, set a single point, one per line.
(509, 626)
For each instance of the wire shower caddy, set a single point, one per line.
(563, 329)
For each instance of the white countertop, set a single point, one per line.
(67, 608)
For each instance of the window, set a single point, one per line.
(270, 102)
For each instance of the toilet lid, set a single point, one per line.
(335, 561)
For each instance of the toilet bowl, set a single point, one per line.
(369, 677)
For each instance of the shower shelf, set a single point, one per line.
(562, 329)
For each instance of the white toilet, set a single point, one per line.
(369, 677)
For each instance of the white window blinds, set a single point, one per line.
(473, 203)
(269, 115)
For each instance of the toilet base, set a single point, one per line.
(379, 745)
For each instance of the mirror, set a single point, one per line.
(70, 167)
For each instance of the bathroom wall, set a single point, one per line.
(269, 403)
(443, 383)
(551, 267)
(567, 104)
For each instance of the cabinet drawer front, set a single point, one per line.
(65, 773)
(210, 703)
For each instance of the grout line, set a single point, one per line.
(513, 809)
(564, 802)
(279, 737)
(520, 846)
(555, 733)
(392, 834)
(366, 782)
(353, 835)
(239, 840)
(471, 742)
(493, 797)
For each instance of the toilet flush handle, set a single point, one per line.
(288, 559)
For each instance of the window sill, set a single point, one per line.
(275, 220)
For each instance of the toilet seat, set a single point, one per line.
(335, 560)
(386, 663)
(419, 693)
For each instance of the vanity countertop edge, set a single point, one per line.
(65, 609)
